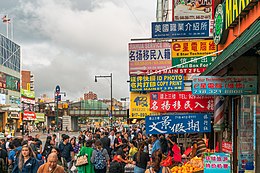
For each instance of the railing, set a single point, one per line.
(93, 113)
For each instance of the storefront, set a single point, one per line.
(40, 120)
(239, 38)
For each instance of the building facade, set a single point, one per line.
(10, 65)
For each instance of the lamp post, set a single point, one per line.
(111, 101)
(57, 96)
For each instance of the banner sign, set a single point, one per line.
(2, 80)
(195, 62)
(180, 101)
(181, 29)
(193, 48)
(176, 71)
(2, 99)
(157, 82)
(176, 124)
(28, 115)
(149, 56)
(229, 85)
(217, 163)
(28, 94)
(192, 10)
(139, 105)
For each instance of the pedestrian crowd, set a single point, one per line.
(99, 150)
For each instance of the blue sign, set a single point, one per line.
(176, 124)
(228, 85)
(181, 29)
(57, 89)
(217, 163)
(163, 82)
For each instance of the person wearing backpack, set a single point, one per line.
(100, 158)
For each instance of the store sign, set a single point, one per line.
(14, 115)
(192, 10)
(2, 99)
(139, 105)
(176, 71)
(219, 24)
(149, 56)
(28, 101)
(178, 124)
(14, 100)
(157, 82)
(27, 93)
(40, 117)
(227, 147)
(28, 115)
(193, 48)
(180, 102)
(195, 62)
(181, 29)
(229, 85)
(236, 9)
(217, 163)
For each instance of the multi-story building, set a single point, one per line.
(90, 96)
(10, 64)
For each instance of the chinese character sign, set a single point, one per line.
(180, 101)
(181, 29)
(229, 85)
(157, 82)
(177, 124)
(193, 10)
(139, 105)
(217, 163)
(194, 62)
(149, 56)
(193, 48)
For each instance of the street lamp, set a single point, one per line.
(111, 106)
(57, 96)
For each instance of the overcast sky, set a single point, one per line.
(68, 42)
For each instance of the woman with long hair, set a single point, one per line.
(156, 167)
(26, 162)
(74, 144)
(61, 161)
(141, 159)
(47, 147)
(100, 158)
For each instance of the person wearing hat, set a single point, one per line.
(66, 149)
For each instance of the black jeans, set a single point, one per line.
(101, 170)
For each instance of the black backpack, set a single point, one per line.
(116, 167)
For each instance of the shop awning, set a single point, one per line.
(242, 44)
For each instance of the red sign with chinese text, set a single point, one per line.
(180, 101)
(227, 147)
(29, 115)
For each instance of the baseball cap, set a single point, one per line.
(9, 136)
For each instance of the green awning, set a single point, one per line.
(249, 38)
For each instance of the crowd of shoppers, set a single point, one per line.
(108, 150)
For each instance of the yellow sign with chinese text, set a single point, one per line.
(193, 48)
(139, 105)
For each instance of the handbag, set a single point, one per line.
(82, 160)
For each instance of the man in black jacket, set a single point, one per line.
(106, 142)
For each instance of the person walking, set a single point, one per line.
(26, 162)
(100, 158)
(61, 161)
(51, 166)
(156, 167)
(88, 168)
(66, 150)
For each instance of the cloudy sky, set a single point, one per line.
(68, 42)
